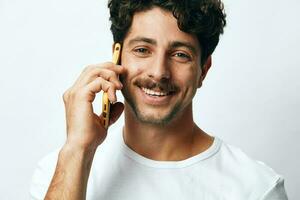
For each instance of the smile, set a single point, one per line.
(154, 93)
(154, 97)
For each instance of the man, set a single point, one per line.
(160, 153)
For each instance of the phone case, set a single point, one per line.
(105, 100)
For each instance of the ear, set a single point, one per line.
(204, 70)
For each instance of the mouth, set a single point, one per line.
(156, 97)
(154, 93)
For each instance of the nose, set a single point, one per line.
(159, 70)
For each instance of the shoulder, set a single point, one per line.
(255, 176)
(46, 166)
(235, 157)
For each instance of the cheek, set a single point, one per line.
(189, 77)
(196, 77)
(132, 65)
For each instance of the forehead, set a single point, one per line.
(159, 25)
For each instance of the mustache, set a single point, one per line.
(163, 85)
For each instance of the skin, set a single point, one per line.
(149, 53)
(151, 56)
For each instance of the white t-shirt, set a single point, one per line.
(222, 172)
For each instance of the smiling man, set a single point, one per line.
(160, 153)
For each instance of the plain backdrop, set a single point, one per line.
(250, 97)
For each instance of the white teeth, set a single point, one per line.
(153, 93)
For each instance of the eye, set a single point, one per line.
(182, 57)
(141, 51)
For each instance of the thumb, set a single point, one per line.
(115, 112)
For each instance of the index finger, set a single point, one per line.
(119, 69)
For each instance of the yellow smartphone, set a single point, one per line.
(105, 100)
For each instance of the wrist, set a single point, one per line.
(79, 145)
(71, 152)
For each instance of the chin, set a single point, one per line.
(160, 115)
(154, 116)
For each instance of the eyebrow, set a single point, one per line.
(172, 45)
(187, 45)
(142, 39)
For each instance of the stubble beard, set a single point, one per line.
(142, 118)
(151, 120)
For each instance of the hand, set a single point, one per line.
(84, 127)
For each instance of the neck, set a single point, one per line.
(177, 140)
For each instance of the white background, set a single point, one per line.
(250, 97)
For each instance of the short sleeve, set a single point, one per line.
(42, 176)
(276, 192)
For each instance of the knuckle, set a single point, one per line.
(65, 95)
(102, 83)
(99, 79)
(106, 86)
(112, 86)
(88, 68)
(73, 94)
(111, 74)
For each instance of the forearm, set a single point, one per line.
(71, 174)
(84, 130)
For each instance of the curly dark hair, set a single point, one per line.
(204, 18)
